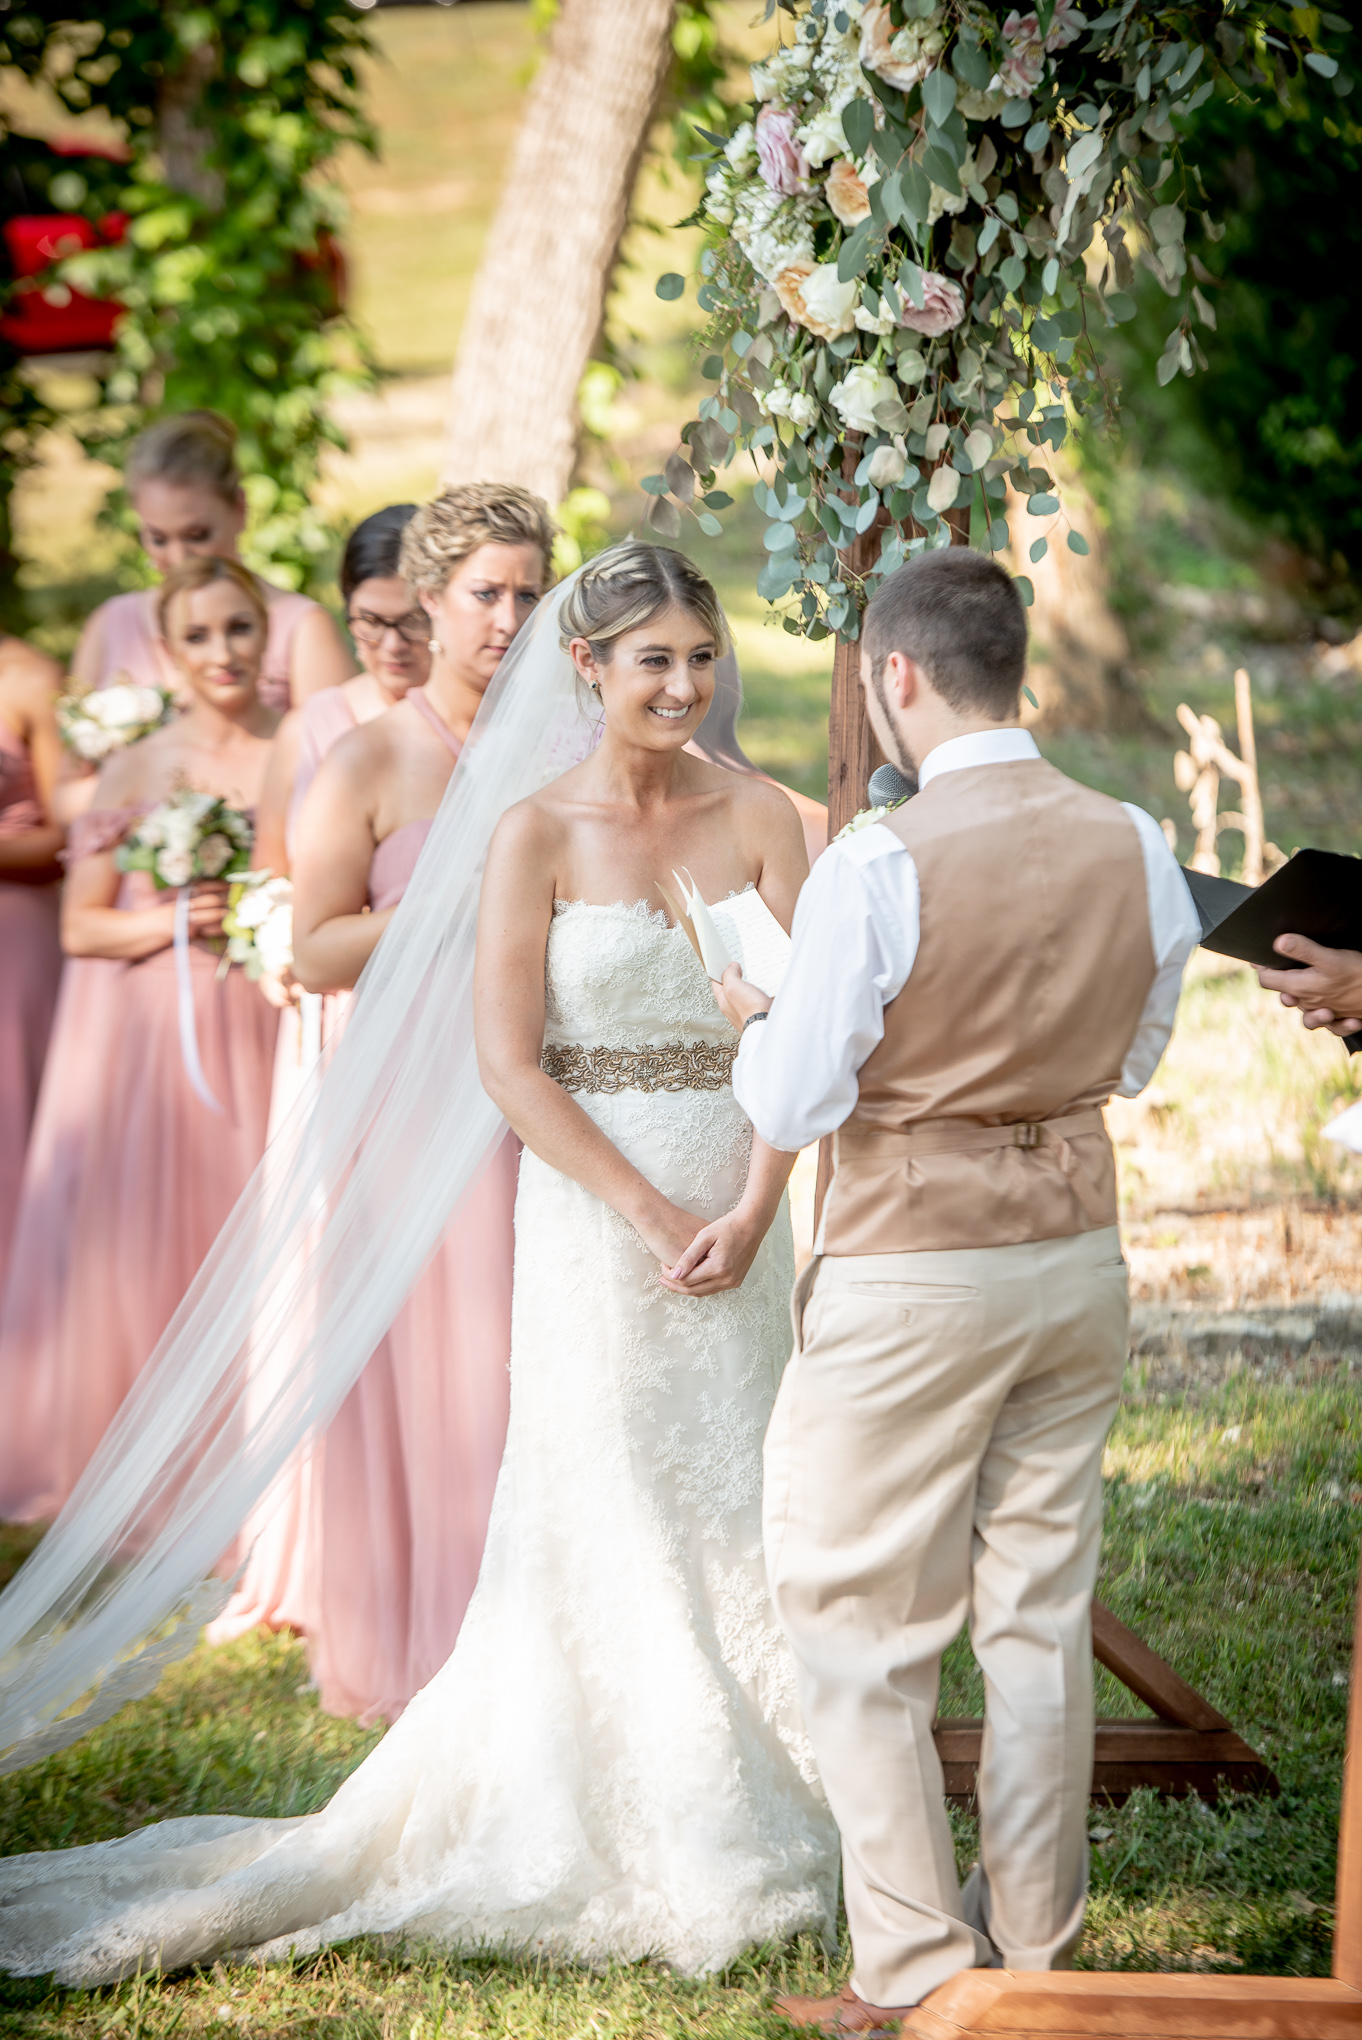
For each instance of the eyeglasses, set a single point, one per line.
(367, 629)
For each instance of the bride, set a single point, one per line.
(611, 1763)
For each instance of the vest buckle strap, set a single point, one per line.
(1028, 1134)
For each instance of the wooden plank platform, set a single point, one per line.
(997, 2004)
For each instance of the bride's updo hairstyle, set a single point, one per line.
(443, 533)
(628, 584)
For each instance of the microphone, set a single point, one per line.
(888, 784)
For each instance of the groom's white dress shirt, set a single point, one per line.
(856, 931)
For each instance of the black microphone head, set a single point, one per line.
(888, 784)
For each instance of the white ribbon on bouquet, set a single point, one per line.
(184, 999)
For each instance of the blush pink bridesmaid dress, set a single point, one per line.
(30, 971)
(372, 1547)
(128, 1181)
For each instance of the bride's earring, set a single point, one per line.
(434, 645)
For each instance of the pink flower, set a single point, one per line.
(943, 306)
(782, 160)
(1026, 52)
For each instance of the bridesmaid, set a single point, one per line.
(30, 895)
(185, 485)
(402, 1481)
(130, 1175)
(390, 630)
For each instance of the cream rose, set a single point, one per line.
(901, 57)
(803, 412)
(861, 389)
(815, 297)
(887, 465)
(846, 193)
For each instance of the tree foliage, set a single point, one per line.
(1274, 425)
(920, 234)
(230, 116)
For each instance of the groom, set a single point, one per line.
(973, 975)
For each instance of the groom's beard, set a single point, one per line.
(905, 764)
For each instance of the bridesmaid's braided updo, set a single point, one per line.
(627, 585)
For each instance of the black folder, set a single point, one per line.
(1317, 893)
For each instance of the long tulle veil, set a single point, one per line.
(309, 1271)
(314, 1263)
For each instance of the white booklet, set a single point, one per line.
(738, 930)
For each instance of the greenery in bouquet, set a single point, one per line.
(103, 720)
(188, 837)
(258, 925)
(918, 232)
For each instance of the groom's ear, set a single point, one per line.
(904, 680)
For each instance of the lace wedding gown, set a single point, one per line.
(611, 1763)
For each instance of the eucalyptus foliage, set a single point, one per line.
(230, 115)
(919, 232)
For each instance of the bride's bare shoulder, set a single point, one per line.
(530, 833)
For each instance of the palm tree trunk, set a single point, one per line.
(540, 292)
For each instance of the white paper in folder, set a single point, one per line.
(738, 930)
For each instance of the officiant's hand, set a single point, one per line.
(1327, 991)
(718, 1257)
(736, 999)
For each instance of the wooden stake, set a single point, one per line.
(1348, 1897)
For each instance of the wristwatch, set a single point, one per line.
(752, 1018)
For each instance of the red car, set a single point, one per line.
(51, 318)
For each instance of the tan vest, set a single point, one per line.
(979, 1120)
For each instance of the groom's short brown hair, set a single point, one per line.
(958, 615)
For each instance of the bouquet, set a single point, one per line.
(917, 232)
(258, 925)
(103, 720)
(190, 836)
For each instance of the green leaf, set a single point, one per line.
(998, 534)
(988, 235)
(1121, 305)
(1042, 504)
(710, 525)
(776, 578)
(1016, 113)
(1035, 138)
(1026, 690)
(940, 168)
(1024, 587)
(717, 499)
(917, 191)
(938, 96)
(664, 516)
(1326, 67)
(1046, 333)
(858, 124)
(1038, 550)
(671, 285)
(1167, 223)
(854, 255)
(712, 367)
(655, 485)
(1078, 544)
(778, 537)
(1012, 271)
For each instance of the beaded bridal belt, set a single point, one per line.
(702, 1066)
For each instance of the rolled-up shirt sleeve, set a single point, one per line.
(1174, 931)
(855, 940)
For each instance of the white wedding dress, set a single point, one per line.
(611, 1764)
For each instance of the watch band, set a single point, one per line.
(753, 1017)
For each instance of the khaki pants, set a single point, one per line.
(934, 1458)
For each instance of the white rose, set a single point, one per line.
(803, 412)
(881, 322)
(823, 138)
(887, 465)
(776, 401)
(741, 147)
(274, 943)
(718, 203)
(855, 397)
(175, 867)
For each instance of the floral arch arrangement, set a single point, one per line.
(918, 232)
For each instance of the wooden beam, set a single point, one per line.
(1005, 2005)
(1348, 1907)
(1174, 1760)
(1147, 1675)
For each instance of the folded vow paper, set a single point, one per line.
(738, 930)
(1316, 893)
